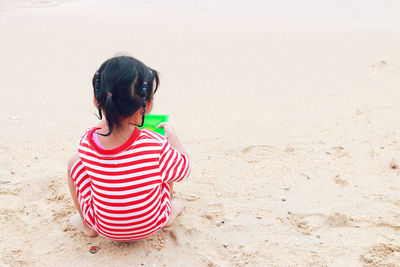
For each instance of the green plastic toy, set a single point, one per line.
(151, 121)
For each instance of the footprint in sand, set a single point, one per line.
(305, 224)
(337, 220)
(256, 153)
(308, 223)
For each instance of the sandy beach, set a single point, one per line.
(289, 112)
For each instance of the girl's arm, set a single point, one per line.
(172, 138)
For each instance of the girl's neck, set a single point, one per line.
(118, 136)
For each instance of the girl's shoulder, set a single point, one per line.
(85, 136)
(152, 136)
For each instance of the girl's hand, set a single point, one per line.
(172, 138)
(168, 128)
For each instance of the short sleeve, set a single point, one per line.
(174, 166)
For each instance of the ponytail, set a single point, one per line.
(110, 114)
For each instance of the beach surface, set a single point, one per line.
(289, 111)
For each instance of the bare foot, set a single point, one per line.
(176, 209)
(76, 221)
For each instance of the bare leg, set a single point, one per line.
(176, 209)
(77, 220)
(171, 187)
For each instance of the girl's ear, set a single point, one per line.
(136, 117)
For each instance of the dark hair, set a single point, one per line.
(121, 86)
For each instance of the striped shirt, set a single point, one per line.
(124, 193)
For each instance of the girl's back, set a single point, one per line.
(124, 193)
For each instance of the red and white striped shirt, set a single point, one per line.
(124, 192)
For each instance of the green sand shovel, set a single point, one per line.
(151, 121)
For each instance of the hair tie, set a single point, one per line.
(109, 95)
(144, 89)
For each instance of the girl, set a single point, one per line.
(121, 178)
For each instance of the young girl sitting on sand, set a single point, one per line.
(121, 179)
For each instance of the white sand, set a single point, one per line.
(289, 111)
